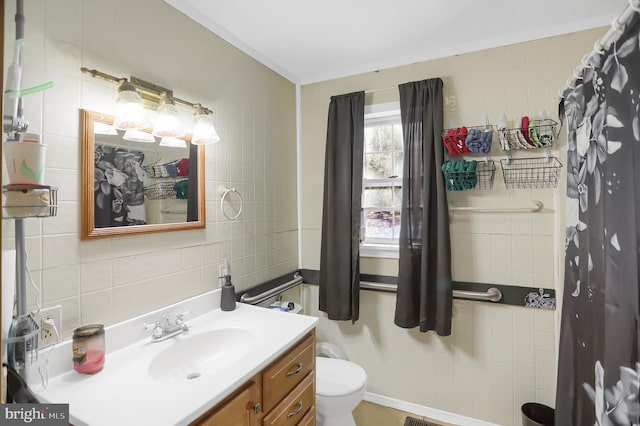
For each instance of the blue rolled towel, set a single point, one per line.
(479, 142)
(485, 139)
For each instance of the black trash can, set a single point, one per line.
(534, 414)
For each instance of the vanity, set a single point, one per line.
(281, 394)
(250, 366)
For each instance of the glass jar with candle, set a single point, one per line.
(88, 348)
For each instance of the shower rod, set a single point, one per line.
(617, 28)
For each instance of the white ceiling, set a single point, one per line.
(307, 41)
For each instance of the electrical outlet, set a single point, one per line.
(48, 335)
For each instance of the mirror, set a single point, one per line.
(132, 187)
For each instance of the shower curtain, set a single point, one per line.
(598, 365)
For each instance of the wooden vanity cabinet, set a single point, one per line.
(243, 408)
(283, 394)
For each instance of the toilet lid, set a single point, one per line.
(338, 377)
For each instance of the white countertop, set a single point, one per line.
(123, 393)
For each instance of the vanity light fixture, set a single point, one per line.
(203, 130)
(134, 95)
(167, 123)
(173, 142)
(129, 109)
(134, 135)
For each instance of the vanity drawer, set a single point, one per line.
(293, 409)
(284, 374)
(310, 418)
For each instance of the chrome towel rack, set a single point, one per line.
(253, 300)
(492, 294)
(536, 208)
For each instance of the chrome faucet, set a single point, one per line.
(164, 329)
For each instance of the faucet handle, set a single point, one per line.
(157, 328)
(181, 316)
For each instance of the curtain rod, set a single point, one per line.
(615, 32)
(382, 89)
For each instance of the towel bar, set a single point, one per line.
(492, 294)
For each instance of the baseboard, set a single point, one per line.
(421, 410)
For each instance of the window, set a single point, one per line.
(381, 181)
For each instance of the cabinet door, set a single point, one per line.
(243, 410)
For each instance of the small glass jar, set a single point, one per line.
(88, 348)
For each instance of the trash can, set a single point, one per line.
(534, 414)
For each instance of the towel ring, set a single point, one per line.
(224, 191)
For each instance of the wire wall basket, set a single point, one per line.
(463, 180)
(531, 173)
(539, 134)
(161, 191)
(22, 201)
(468, 139)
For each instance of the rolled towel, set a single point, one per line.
(545, 134)
(486, 137)
(450, 141)
(479, 142)
(473, 140)
(522, 142)
(533, 134)
(470, 178)
(524, 128)
(461, 137)
(504, 138)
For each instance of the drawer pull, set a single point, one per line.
(295, 413)
(257, 408)
(296, 371)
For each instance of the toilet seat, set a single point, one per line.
(336, 377)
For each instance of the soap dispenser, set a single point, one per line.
(228, 296)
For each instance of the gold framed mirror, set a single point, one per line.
(130, 187)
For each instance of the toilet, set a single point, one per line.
(340, 386)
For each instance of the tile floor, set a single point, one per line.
(368, 414)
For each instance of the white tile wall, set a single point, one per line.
(112, 279)
(497, 357)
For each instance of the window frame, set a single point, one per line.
(376, 115)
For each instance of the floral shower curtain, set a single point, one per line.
(598, 366)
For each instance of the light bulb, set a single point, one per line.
(167, 119)
(204, 132)
(129, 110)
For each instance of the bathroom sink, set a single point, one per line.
(191, 357)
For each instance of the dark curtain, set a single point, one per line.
(424, 277)
(340, 250)
(192, 186)
(598, 365)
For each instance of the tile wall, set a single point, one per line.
(497, 356)
(112, 279)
